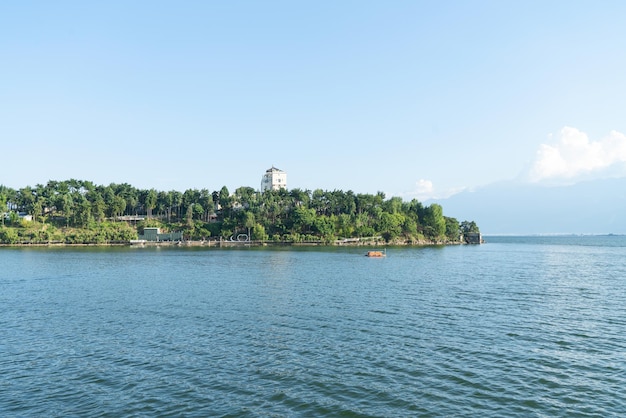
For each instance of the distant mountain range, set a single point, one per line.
(592, 207)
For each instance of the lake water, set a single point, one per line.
(517, 327)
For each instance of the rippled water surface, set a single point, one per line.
(517, 327)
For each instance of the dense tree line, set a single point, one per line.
(109, 213)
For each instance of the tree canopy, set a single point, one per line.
(279, 215)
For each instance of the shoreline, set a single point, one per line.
(234, 244)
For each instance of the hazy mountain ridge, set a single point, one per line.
(597, 206)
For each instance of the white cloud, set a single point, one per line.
(425, 190)
(575, 157)
(424, 187)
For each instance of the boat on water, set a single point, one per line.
(376, 253)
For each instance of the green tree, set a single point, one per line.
(130, 196)
(363, 227)
(38, 208)
(303, 219)
(26, 199)
(166, 201)
(258, 233)
(245, 196)
(452, 229)
(434, 222)
(198, 211)
(225, 200)
(415, 209)
(409, 227)
(300, 197)
(82, 216)
(190, 197)
(14, 218)
(345, 225)
(469, 227)
(119, 206)
(98, 206)
(249, 223)
(177, 201)
(151, 201)
(3, 205)
(206, 200)
(65, 203)
(8, 235)
(324, 227)
(391, 225)
(108, 195)
(319, 202)
(189, 215)
(393, 205)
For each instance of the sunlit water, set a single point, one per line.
(517, 327)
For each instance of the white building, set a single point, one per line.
(274, 179)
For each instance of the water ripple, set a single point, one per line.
(511, 329)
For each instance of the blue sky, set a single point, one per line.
(412, 98)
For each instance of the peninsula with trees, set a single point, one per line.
(81, 212)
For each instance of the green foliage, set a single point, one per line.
(409, 227)
(78, 211)
(453, 230)
(150, 201)
(434, 222)
(39, 233)
(344, 225)
(14, 218)
(468, 227)
(200, 231)
(391, 225)
(258, 233)
(8, 235)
